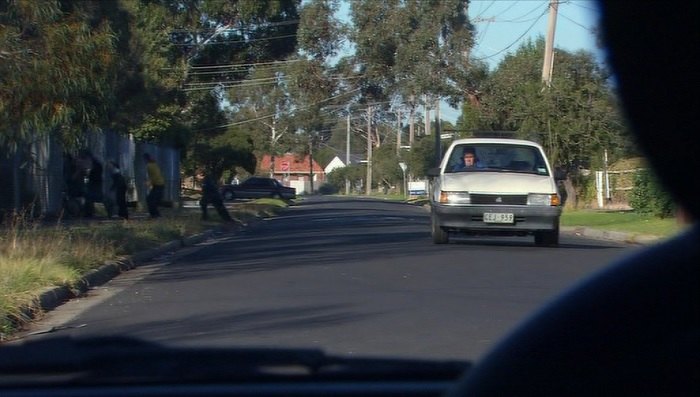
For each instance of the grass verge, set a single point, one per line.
(35, 257)
(624, 221)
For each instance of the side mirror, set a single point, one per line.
(434, 172)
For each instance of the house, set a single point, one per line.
(339, 162)
(293, 170)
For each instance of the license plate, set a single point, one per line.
(498, 217)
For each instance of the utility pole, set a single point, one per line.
(347, 155)
(426, 109)
(398, 132)
(311, 164)
(411, 120)
(438, 132)
(549, 44)
(368, 188)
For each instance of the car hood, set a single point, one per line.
(498, 182)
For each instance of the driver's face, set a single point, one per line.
(469, 159)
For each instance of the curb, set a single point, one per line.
(630, 238)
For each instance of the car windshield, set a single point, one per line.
(132, 131)
(510, 158)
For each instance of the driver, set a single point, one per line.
(469, 160)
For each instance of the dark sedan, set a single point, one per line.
(258, 187)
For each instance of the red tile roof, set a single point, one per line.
(295, 164)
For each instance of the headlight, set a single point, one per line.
(543, 199)
(454, 198)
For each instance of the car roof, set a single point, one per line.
(505, 141)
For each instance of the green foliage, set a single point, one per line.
(412, 47)
(354, 173)
(574, 119)
(319, 32)
(648, 196)
(385, 166)
(328, 188)
(421, 157)
(58, 69)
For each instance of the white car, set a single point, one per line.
(495, 186)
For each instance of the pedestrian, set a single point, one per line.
(211, 195)
(93, 191)
(157, 183)
(118, 189)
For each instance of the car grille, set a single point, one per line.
(499, 199)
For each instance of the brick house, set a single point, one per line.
(293, 170)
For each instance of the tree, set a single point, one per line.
(58, 70)
(575, 119)
(311, 82)
(204, 53)
(407, 49)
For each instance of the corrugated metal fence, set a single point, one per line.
(34, 179)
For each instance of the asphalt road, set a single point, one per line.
(350, 276)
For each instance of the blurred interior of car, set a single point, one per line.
(632, 329)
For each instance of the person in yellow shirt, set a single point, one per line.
(157, 182)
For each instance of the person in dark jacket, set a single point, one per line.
(118, 189)
(211, 195)
(93, 192)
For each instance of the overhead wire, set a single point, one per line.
(516, 40)
(274, 114)
(236, 41)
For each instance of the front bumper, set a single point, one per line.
(470, 218)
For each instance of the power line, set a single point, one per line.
(243, 64)
(274, 114)
(516, 40)
(262, 26)
(236, 41)
(591, 30)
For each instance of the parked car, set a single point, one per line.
(495, 186)
(258, 187)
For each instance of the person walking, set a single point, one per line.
(118, 189)
(93, 193)
(211, 195)
(157, 182)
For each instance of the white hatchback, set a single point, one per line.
(495, 186)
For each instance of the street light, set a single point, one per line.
(403, 169)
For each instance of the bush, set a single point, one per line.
(649, 197)
(327, 188)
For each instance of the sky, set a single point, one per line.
(502, 25)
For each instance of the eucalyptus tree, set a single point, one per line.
(201, 53)
(58, 67)
(413, 49)
(314, 88)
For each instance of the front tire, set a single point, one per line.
(548, 238)
(440, 236)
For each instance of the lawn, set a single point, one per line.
(622, 221)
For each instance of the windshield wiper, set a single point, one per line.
(126, 360)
